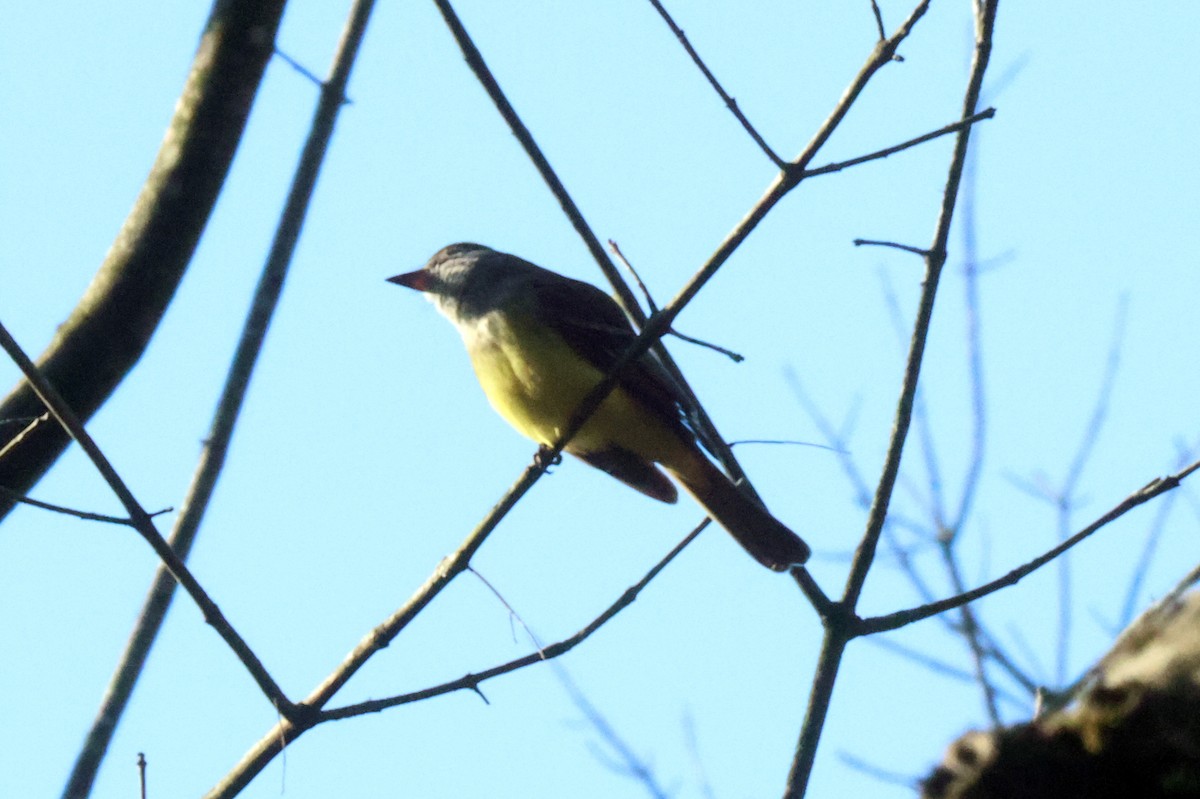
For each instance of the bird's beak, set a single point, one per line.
(418, 280)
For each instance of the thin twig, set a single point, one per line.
(733, 356)
(728, 353)
(31, 425)
(878, 20)
(300, 68)
(627, 763)
(692, 740)
(974, 343)
(921, 251)
(879, 773)
(1003, 661)
(1031, 683)
(630, 765)
(1141, 568)
(778, 442)
(837, 441)
(1185, 454)
(922, 659)
(543, 653)
(637, 278)
(730, 103)
(951, 528)
(953, 127)
(16, 496)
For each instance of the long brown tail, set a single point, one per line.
(766, 538)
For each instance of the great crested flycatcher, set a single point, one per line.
(540, 342)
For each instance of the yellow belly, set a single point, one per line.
(535, 381)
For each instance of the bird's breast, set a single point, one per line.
(535, 380)
(529, 373)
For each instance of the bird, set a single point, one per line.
(540, 341)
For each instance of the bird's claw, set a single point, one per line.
(546, 457)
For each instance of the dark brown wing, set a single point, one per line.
(594, 325)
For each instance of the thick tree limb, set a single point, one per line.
(109, 329)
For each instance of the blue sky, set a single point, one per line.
(366, 452)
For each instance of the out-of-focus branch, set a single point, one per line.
(1066, 496)
(1156, 487)
(107, 332)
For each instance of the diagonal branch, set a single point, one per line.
(557, 649)
(273, 742)
(143, 523)
(730, 103)
(953, 127)
(78, 514)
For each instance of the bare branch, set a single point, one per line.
(730, 103)
(934, 261)
(733, 356)
(79, 514)
(878, 20)
(1152, 538)
(953, 127)
(141, 521)
(894, 245)
(301, 69)
(470, 681)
